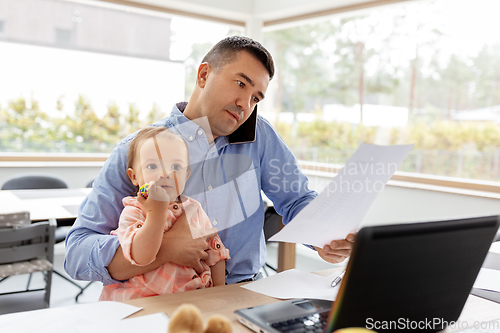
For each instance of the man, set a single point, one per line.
(234, 154)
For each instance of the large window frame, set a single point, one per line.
(445, 184)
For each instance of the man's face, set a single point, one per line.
(229, 94)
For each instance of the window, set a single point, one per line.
(79, 76)
(407, 73)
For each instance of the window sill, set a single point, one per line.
(451, 185)
(434, 183)
(45, 157)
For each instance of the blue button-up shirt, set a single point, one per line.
(227, 180)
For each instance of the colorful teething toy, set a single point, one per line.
(144, 190)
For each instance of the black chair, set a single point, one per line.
(90, 183)
(25, 248)
(38, 181)
(272, 224)
(33, 182)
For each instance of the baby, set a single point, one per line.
(160, 157)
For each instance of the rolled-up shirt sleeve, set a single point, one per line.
(89, 245)
(282, 179)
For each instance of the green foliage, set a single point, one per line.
(25, 128)
(22, 121)
(442, 135)
(155, 114)
(448, 148)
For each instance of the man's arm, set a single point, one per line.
(89, 245)
(338, 250)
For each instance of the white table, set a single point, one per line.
(44, 204)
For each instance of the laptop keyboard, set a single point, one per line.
(315, 323)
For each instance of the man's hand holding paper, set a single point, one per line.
(330, 221)
(338, 250)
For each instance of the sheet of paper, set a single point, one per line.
(495, 247)
(65, 319)
(296, 284)
(488, 279)
(154, 323)
(340, 208)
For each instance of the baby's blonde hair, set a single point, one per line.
(147, 133)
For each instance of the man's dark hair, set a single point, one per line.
(227, 49)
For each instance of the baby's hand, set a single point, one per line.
(157, 198)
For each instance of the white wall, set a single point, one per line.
(398, 204)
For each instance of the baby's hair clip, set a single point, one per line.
(144, 190)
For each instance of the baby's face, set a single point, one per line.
(171, 171)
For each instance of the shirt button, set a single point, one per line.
(210, 188)
(215, 222)
(200, 132)
(190, 138)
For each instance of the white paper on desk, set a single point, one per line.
(488, 279)
(495, 247)
(340, 208)
(65, 319)
(153, 323)
(296, 284)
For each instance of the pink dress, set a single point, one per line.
(168, 278)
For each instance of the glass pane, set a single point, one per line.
(80, 76)
(423, 72)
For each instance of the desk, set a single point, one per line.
(225, 300)
(44, 204)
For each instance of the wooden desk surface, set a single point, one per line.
(224, 300)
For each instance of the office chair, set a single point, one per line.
(33, 181)
(39, 181)
(90, 183)
(25, 249)
(272, 224)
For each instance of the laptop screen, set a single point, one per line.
(412, 276)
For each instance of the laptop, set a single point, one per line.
(404, 277)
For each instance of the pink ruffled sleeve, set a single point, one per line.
(131, 220)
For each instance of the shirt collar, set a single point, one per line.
(189, 129)
(186, 128)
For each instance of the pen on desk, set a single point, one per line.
(337, 280)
